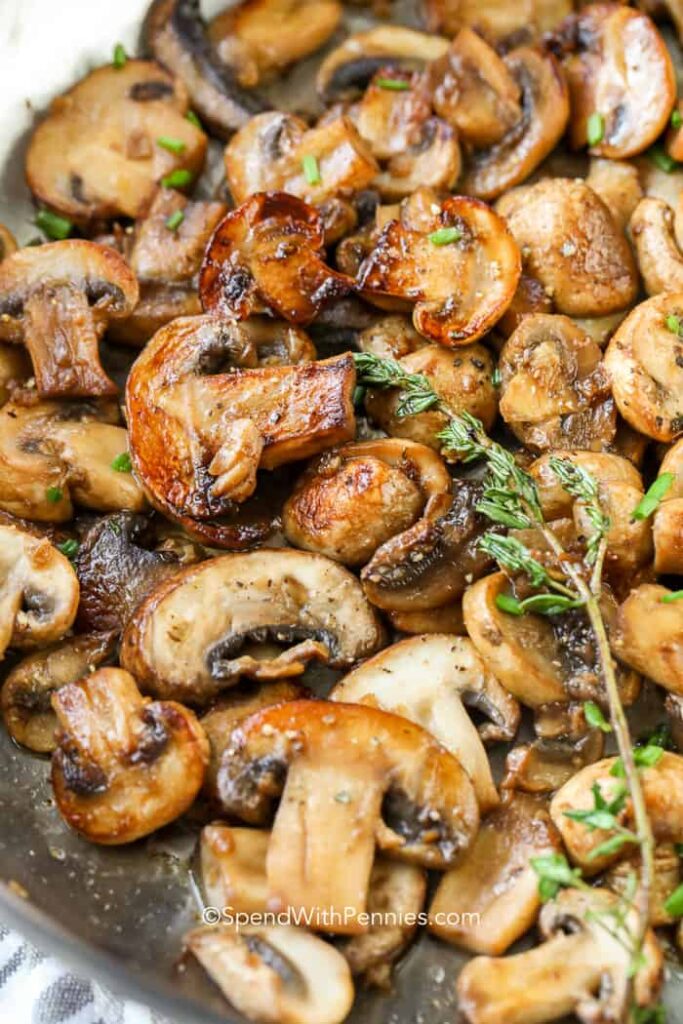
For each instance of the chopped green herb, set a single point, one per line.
(549, 604)
(496, 378)
(55, 227)
(120, 57)
(661, 159)
(54, 494)
(193, 119)
(394, 84)
(171, 144)
(122, 463)
(676, 119)
(358, 394)
(612, 845)
(554, 873)
(675, 595)
(445, 236)
(175, 220)
(309, 165)
(69, 548)
(180, 178)
(509, 605)
(649, 503)
(595, 129)
(673, 323)
(595, 717)
(674, 904)
(643, 757)
(649, 1014)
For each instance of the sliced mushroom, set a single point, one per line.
(491, 898)
(662, 786)
(667, 525)
(645, 362)
(124, 766)
(355, 498)
(266, 256)
(461, 288)
(185, 640)
(546, 764)
(554, 389)
(619, 69)
(176, 35)
(27, 690)
(618, 185)
(656, 651)
(431, 680)
(660, 260)
(495, 19)
(54, 455)
(15, 369)
(271, 152)
(96, 156)
(545, 112)
(350, 777)
(572, 245)
(244, 39)
(463, 380)
(276, 975)
(346, 71)
(57, 299)
(446, 619)
(197, 441)
(38, 591)
(432, 160)
(582, 968)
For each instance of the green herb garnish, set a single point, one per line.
(595, 129)
(445, 236)
(650, 501)
(120, 58)
(122, 463)
(54, 494)
(595, 718)
(53, 225)
(311, 169)
(175, 220)
(393, 84)
(69, 548)
(171, 144)
(180, 178)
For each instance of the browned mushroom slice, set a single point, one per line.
(124, 766)
(495, 19)
(57, 299)
(645, 362)
(618, 185)
(660, 260)
(546, 764)
(572, 245)
(350, 777)
(267, 256)
(667, 526)
(554, 389)
(446, 619)
(27, 690)
(430, 564)
(529, 299)
(197, 442)
(392, 337)
(461, 276)
(620, 72)
(355, 498)
(656, 651)
(175, 33)
(96, 155)
(244, 38)
(277, 152)
(492, 895)
(310, 605)
(38, 591)
(432, 160)
(15, 369)
(545, 111)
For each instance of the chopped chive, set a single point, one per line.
(120, 56)
(674, 904)
(358, 394)
(122, 463)
(595, 129)
(549, 604)
(445, 236)
(673, 323)
(661, 159)
(595, 718)
(649, 503)
(193, 119)
(311, 169)
(496, 378)
(179, 178)
(171, 144)
(675, 595)
(393, 84)
(676, 119)
(508, 604)
(54, 494)
(69, 548)
(175, 220)
(55, 227)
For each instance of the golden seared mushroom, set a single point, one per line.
(649, 635)
(545, 111)
(660, 260)
(186, 641)
(350, 777)
(555, 392)
(490, 899)
(662, 785)
(165, 255)
(620, 486)
(544, 765)
(617, 182)
(100, 151)
(38, 591)
(267, 256)
(233, 867)
(446, 619)
(353, 499)
(57, 454)
(666, 879)
(392, 337)
(197, 440)
(621, 81)
(571, 244)
(347, 70)
(124, 766)
(495, 18)
(57, 299)
(276, 975)
(27, 690)
(244, 39)
(431, 680)
(8, 243)
(667, 525)
(645, 362)
(461, 273)
(429, 565)
(15, 370)
(530, 298)
(582, 968)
